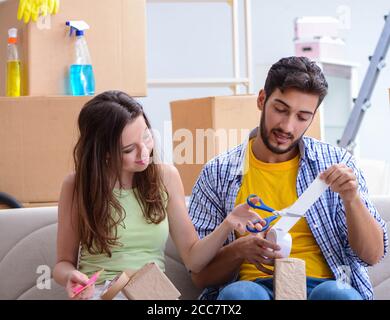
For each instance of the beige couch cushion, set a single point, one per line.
(28, 240)
(177, 272)
(380, 273)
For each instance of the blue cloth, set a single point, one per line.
(216, 189)
(262, 289)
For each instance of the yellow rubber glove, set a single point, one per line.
(35, 8)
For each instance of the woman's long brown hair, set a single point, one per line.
(98, 162)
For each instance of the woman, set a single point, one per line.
(116, 211)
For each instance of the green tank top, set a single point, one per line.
(142, 243)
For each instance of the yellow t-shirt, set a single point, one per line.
(275, 184)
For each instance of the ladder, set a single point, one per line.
(362, 102)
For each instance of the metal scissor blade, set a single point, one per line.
(286, 213)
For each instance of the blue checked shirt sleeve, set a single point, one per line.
(205, 208)
(341, 218)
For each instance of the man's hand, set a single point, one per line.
(341, 179)
(257, 250)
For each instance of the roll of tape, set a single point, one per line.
(115, 286)
(281, 238)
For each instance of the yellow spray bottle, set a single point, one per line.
(13, 65)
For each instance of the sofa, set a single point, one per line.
(28, 241)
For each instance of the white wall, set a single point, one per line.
(190, 39)
(185, 40)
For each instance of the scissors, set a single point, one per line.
(255, 202)
(90, 282)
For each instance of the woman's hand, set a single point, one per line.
(242, 216)
(76, 279)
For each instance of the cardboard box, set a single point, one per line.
(147, 283)
(323, 49)
(150, 283)
(311, 27)
(37, 137)
(230, 117)
(116, 40)
(290, 279)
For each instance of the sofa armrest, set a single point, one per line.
(380, 273)
(28, 241)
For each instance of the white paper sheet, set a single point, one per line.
(304, 202)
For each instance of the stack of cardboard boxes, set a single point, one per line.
(38, 131)
(318, 38)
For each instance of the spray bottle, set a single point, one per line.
(82, 80)
(13, 65)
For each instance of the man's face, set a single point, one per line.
(285, 118)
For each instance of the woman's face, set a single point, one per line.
(137, 145)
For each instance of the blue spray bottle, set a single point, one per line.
(82, 80)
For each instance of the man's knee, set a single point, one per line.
(243, 290)
(334, 290)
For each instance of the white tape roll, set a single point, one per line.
(281, 238)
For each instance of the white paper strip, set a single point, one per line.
(285, 223)
(304, 202)
(307, 199)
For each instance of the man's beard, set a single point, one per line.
(265, 138)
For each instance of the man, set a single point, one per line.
(341, 234)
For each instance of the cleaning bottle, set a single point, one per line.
(13, 65)
(82, 79)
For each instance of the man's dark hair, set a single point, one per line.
(299, 73)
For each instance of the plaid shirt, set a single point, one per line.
(216, 189)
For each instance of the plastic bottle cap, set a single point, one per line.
(13, 33)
